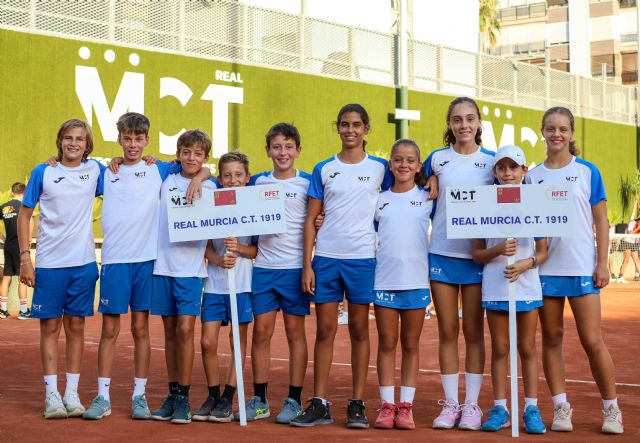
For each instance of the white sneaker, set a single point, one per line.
(53, 406)
(622, 280)
(427, 314)
(343, 318)
(72, 404)
(562, 418)
(612, 420)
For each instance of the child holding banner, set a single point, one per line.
(177, 281)
(347, 185)
(401, 288)
(276, 277)
(65, 277)
(223, 254)
(509, 169)
(575, 271)
(463, 162)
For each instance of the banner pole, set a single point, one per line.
(513, 354)
(237, 350)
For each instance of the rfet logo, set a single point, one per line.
(271, 195)
(557, 194)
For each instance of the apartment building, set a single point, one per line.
(584, 37)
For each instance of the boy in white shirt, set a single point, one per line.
(178, 276)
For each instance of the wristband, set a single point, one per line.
(26, 251)
(535, 262)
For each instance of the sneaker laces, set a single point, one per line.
(387, 409)
(404, 409)
(448, 406)
(561, 413)
(139, 401)
(72, 397)
(612, 414)
(290, 404)
(470, 409)
(356, 408)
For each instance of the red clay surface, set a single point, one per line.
(22, 391)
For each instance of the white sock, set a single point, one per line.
(323, 400)
(528, 401)
(387, 394)
(23, 306)
(406, 394)
(72, 383)
(450, 386)
(3, 303)
(103, 387)
(607, 403)
(139, 384)
(501, 402)
(473, 384)
(559, 399)
(50, 384)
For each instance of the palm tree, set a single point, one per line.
(489, 24)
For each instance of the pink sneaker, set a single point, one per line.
(386, 416)
(449, 417)
(471, 416)
(404, 416)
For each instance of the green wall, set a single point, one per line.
(38, 81)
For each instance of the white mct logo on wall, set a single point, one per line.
(131, 94)
(508, 131)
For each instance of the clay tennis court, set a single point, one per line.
(22, 391)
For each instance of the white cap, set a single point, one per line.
(513, 152)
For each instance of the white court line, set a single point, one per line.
(424, 371)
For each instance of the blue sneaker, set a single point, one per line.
(140, 408)
(533, 421)
(100, 407)
(290, 410)
(498, 419)
(256, 410)
(165, 412)
(181, 410)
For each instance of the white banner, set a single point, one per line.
(220, 213)
(494, 211)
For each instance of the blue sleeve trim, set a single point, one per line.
(426, 166)
(34, 187)
(487, 152)
(215, 182)
(304, 175)
(254, 178)
(165, 169)
(598, 192)
(316, 187)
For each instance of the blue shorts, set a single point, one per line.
(337, 277)
(176, 295)
(553, 286)
(59, 291)
(407, 299)
(521, 306)
(125, 284)
(453, 270)
(217, 307)
(275, 289)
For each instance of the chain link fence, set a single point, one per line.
(228, 30)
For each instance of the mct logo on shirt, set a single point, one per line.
(463, 196)
(480, 165)
(85, 177)
(416, 203)
(140, 174)
(364, 179)
(572, 179)
(290, 194)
